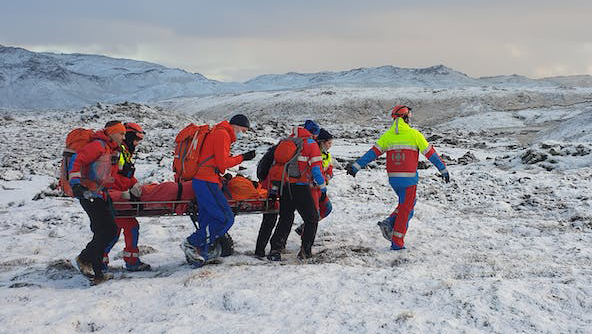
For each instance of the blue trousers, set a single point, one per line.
(215, 215)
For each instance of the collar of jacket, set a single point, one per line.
(102, 136)
(300, 132)
(399, 125)
(224, 125)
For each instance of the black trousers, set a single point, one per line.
(102, 224)
(296, 198)
(267, 225)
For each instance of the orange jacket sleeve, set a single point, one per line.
(222, 157)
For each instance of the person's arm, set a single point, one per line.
(222, 157)
(84, 157)
(430, 153)
(377, 150)
(316, 164)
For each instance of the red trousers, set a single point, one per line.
(131, 230)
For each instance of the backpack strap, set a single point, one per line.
(179, 190)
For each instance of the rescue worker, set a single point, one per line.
(325, 141)
(90, 177)
(402, 145)
(215, 215)
(297, 195)
(125, 181)
(269, 219)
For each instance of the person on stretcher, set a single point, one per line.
(238, 188)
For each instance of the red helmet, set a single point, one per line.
(400, 111)
(136, 128)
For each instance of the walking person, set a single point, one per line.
(125, 181)
(324, 206)
(402, 145)
(215, 215)
(296, 194)
(90, 178)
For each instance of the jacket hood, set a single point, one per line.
(399, 125)
(224, 125)
(301, 132)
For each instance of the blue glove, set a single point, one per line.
(350, 169)
(445, 175)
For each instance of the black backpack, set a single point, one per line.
(264, 165)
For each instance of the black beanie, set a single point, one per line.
(324, 135)
(240, 120)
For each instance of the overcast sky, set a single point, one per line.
(234, 40)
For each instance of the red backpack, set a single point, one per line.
(75, 140)
(285, 160)
(187, 151)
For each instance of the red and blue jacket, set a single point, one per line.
(310, 161)
(92, 165)
(402, 145)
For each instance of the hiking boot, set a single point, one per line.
(140, 266)
(260, 254)
(214, 252)
(85, 269)
(274, 256)
(299, 229)
(396, 247)
(98, 280)
(386, 228)
(192, 254)
(304, 254)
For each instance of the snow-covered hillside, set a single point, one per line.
(30, 80)
(503, 248)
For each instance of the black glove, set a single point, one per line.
(78, 190)
(350, 169)
(445, 175)
(249, 155)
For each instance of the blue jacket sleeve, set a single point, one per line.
(317, 175)
(365, 159)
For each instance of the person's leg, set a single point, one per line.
(325, 208)
(284, 225)
(267, 225)
(111, 245)
(405, 212)
(305, 204)
(104, 230)
(222, 216)
(215, 216)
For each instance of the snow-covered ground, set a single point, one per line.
(503, 248)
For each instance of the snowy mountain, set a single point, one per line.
(432, 77)
(30, 80)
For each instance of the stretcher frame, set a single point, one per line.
(169, 208)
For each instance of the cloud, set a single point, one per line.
(236, 40)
